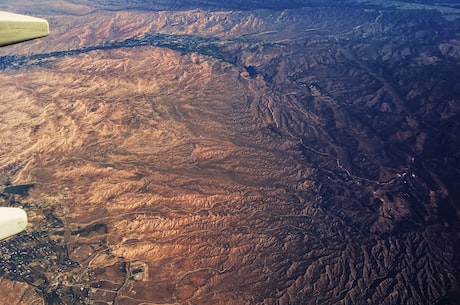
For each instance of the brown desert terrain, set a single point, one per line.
(225, 156)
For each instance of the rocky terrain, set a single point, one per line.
(300, 152)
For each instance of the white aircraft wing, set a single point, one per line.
(16, 28)
(12, 221)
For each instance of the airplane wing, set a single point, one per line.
(16, 28)
(12, 221)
